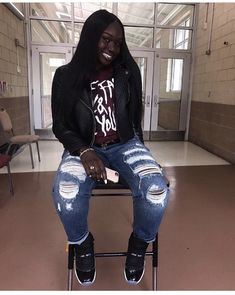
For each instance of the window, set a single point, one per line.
(176, 74)
(180, 41)
(181, 37)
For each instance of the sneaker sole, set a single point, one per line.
(134, 282)
(86, 283)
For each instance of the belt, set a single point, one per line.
(104, 144)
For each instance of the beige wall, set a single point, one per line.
(214, 74)
(15, 99)
(212, 119)
(11, 28)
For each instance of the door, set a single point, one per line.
(144, 59)
(170, 96)
(45, 61)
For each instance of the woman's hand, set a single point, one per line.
(93, 165)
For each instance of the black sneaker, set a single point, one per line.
(85, 261)
(135, 260)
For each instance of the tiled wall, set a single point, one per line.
(213, 127)
(213, 101)
(15, 98)
(169, 115)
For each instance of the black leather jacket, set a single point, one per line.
(79, 131)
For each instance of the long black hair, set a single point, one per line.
(83, 63)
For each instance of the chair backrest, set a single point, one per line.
(5, 121)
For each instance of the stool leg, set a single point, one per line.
(70, 280)
(70, 267)
(155, 262)
(10, 179)
(31, 155)
(37, 145)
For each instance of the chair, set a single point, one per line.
(5, 161)
(23, 140)
(113, 189)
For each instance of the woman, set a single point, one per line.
(96, 109)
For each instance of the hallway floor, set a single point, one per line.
(196, 238)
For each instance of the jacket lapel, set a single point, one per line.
(86, 98)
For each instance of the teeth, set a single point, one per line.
(109, 57)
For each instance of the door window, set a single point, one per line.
(45, 62)
(49, 62)
(145, 62)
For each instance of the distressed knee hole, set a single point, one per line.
(147, 169)
(140, 157)
(134, 150)
(136, 154)
(75, 169)
(69, 206)
(68, 189)
(156, 195)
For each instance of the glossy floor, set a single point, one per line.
(196, 238)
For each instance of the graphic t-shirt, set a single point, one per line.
(102, 88)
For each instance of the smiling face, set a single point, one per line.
(109, 45)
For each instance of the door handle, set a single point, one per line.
(148, 101)
(155, 100)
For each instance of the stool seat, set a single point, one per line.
(111, 185)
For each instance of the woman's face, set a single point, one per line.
(109, 45)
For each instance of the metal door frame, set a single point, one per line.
(149, 87)
(36, 78)
(185, 87)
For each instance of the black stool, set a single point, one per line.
(113, 189)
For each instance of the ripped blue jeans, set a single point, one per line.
(72, 189)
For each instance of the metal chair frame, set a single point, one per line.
(113, 190)
(7, 164)
(11, 133)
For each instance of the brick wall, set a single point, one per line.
(15, 99)
(214, 82)
(213, 127)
